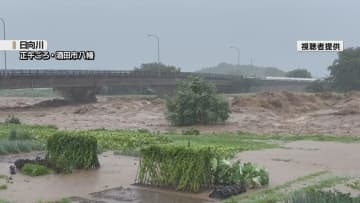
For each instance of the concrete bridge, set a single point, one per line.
(83, 85)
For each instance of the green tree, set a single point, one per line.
(345, 71)
(196, 102)
(298, 73)
(155, 67)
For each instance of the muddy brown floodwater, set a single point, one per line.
(111, 183)
(262, 113)
(300, 158)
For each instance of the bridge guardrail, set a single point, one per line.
(113, 73)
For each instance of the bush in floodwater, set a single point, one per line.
(318, 196)
(196, 102)
(66, 151)
(12, 119)
(35, 170)
(144, 131)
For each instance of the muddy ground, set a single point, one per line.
(263, 113)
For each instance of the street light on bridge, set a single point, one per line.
(158, 45)
(158, 50)
(238, 53)
(4, 34)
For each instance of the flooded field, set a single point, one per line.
(113, 182)
(280, 113)
(115, 179)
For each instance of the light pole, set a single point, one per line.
(158, 45)
(238, 53)
(4, 33)
(158, 49)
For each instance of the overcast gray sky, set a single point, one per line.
(193, 33)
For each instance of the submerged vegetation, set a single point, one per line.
(15, 138)
(354, 185)
(283, 193)
(18, 146)
(35, 170)
(184, 168)
(66, 152)
(318, 196)
(195, 168)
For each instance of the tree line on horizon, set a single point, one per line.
(344, 72)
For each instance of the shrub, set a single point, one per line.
(196, 102)
(191, 131)
(143, 130)
(12, 119)
(3, 187)
(35, 170)
(299, 73)
(66, 152)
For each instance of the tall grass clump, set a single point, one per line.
(18, 146)
(182, 168)
(66, 151)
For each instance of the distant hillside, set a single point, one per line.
(245, 70)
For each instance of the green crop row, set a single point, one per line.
(67, 152)
(183, 168)
(195, 168)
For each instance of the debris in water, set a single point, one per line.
(12, 170)
(223, 192)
